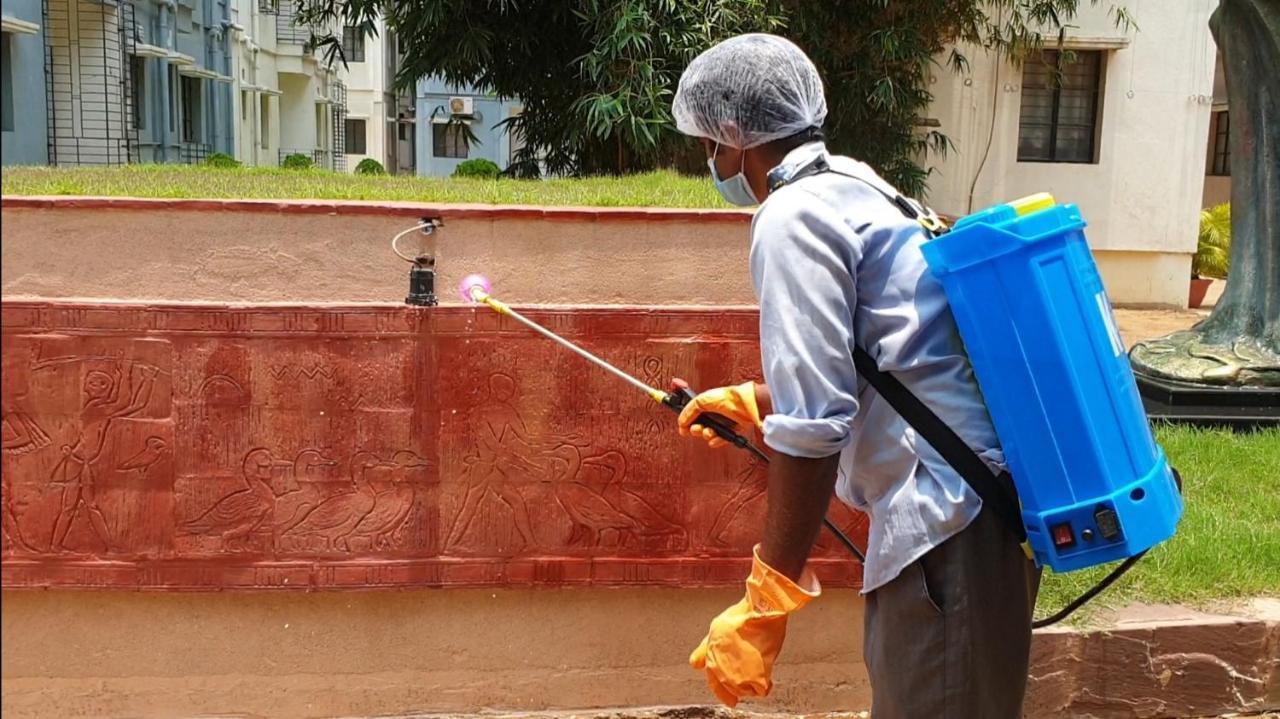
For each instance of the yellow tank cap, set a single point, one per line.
(1032, 203)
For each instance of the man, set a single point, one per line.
(837, 265)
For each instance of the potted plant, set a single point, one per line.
(1213, 252)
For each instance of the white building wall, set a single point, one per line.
(277, 88)
(1142, 197)
(386, 114)
(366, 81)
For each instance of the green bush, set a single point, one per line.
(1213, 250)
(478, 167)
(222, 160)
(297, 161)
(370, 166)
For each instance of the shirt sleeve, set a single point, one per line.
(803, 264)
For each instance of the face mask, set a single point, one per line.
(734, 190)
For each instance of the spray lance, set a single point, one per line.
(476, 288)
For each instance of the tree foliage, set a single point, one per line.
(596, 77)
(1213, 246)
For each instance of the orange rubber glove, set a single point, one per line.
(744, 641)
(737, 403)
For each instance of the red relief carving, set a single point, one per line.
(206, 448)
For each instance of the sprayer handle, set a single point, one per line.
(680, 396)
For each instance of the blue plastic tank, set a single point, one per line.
(1038, 326)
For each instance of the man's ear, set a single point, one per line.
(731, 134)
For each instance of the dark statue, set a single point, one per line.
(1238, 344)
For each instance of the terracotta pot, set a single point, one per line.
(1199, 288)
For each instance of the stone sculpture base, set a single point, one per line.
(1207, 406)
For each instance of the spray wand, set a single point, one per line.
(475, 288)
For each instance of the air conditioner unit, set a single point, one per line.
(461, 106)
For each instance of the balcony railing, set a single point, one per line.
(319, 158)
(194, 153)
(288, 31)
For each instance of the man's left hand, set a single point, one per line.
(738, 653)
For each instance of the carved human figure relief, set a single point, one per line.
(504, 453)
(107, 396)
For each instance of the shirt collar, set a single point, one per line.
(796, 160)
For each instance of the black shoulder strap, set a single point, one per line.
(997, 492)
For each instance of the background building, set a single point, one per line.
(1123, 137)
(23, 127)
(1217, 164)
(112, 83)
(442, 144)
(290, 99)
(380, 119)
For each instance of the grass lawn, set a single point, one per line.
(657, 189)
(1228, 544)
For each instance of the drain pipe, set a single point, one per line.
(227, 89)
(168, 40)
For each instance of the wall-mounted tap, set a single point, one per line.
(422, 276)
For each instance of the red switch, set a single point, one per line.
(1062, 535)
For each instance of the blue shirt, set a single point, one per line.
(836, 265)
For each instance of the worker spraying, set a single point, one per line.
(868, 305)
(844, 293)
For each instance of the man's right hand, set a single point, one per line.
(737, 404)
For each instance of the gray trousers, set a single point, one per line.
(950, 637)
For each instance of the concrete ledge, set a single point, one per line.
(533, 652)
(178, 250)
(383, 209)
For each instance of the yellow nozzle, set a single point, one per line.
(658, 396)
(1032, 203)
(479, 295)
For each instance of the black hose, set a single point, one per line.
(1083, 599)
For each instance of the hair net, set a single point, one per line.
(749, 90)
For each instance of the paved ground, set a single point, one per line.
(1138, 325)
(704, 713)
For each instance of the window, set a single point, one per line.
(403, 128)
(191, 109)
(1220, 162)
(448, 140)
(321, 130)
(1060, 107)
(6, 85)
(355, 132)
(244, 105)
(138, 90)
(264, 120)
(353, 44)
(516, 142)
(173, 99)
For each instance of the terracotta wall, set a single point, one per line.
(289, 448)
